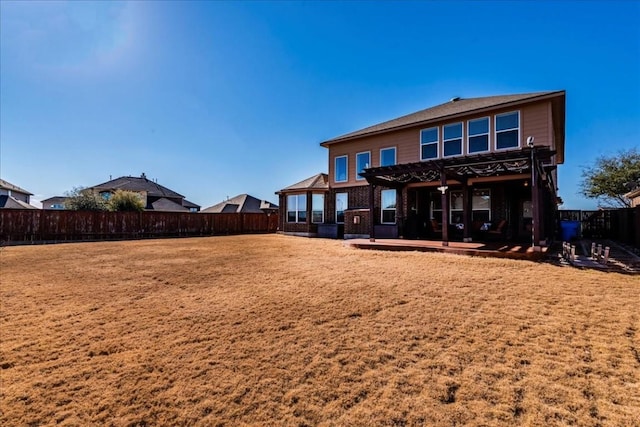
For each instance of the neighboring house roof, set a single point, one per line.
(188, 204)
(167, 205)
(132, 183)
(55, 199)
(242, 203)
(9, 186)
(456, 106)
(315, 182)
(9, 202)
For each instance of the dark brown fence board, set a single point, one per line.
(24, 226)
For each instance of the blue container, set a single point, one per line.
(569, 229)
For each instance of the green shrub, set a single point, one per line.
(126, 201)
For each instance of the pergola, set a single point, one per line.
(461, 169)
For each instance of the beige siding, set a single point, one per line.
(535, 120)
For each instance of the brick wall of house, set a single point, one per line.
(356, 222)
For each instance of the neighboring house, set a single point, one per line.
(475, 168)
(54, 203)
(155, 196)
(14, 197)
(243, 203)
(634, 197)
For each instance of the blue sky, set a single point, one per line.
(217, 98)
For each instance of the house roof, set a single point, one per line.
(55, 199)
(142, 183)
(188, 204)
(8, 202)
(6, 185)
(316, 182)
(166, 205)
(455, 107)
(241, 203)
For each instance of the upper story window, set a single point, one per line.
(341, 169)
(342, 203)
(508, 130)
(388, 198)
(453, 139)
(297, 208)
(388, 156)
(317, 208)
(429, 143)
(363, 161)
(478, 134)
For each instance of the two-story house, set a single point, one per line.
(156, 197)
(14, 197)
(468, 169)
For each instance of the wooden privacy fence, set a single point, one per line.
(621, 224)
(49, 226)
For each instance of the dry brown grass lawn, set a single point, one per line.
(275, 330)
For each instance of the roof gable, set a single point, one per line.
(8, 202)
(167, 205)
(455, 107)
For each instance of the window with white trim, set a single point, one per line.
(341, 174)
(297, 208)
(388, 206)
(478, 135)
(388, 156)
(481, 205)
(507, 130)
(452, 139)
(429, 139)
(455, 210)
(363, 161)
(435, 207)
(317, 208)
(342, 203)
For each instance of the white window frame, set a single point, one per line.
(383, 209)
(313, 210)
(453, 211)
(434, 211)
(297, 209)
(346, 196)
(335, 168)
(368, 164)
(444, 141)
(473, 205)
(488, 134)
(474, 208)
(436, 142)
(496, 131)
(395, 155)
